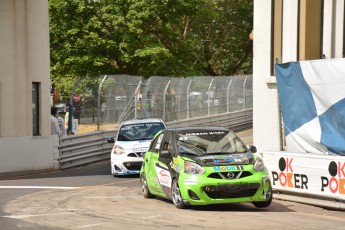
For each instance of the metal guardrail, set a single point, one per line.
(82, 149)
(234, 120)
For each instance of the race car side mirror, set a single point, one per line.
(111, 140)
(252, 149)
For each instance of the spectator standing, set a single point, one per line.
(77, 111)
(69, 116)
(55, 130)
(62, 126)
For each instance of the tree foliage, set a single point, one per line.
(149, 37)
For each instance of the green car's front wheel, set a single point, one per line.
(145, 188)
(265, 204)
(176, 195)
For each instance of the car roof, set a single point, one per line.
(198, 129)
(140, 121)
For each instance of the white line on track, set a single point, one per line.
(39, 187)
(88, 226)
(37, 215)
(109, 197)
(151, 217)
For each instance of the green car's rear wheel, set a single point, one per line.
(176, 195)
(145, 188)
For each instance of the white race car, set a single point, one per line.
(131, 143)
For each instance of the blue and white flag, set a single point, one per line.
(312, 102)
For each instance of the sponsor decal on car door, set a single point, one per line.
(164, 178)
(153, 175)
(163, 175)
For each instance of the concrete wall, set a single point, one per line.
(24, 59)
(28, 153)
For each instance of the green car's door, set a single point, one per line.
(151, 160)
(162, 166)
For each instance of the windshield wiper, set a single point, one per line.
(189, 153)
(220, 153)
(122, 138)
(144, 139)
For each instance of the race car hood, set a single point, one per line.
(225, 159)
(133, 146)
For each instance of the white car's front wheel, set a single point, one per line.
(112, 170)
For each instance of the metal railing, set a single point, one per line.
(82, 149)
(109, 99)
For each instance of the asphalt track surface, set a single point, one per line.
(90, 198)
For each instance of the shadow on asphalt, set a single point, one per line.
(243, 207)
(99, 168)
(235, 207)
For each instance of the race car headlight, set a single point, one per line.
(192, 168)
(118, 150)
(259, 165)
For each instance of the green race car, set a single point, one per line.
(204, 165)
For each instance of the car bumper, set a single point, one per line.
(126, 166)
(201, 190)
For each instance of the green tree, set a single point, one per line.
(148, 37)
(223, 43)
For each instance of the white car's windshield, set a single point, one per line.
(209, 143)
(142, 131)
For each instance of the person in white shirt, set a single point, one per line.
(62, 127)
(55, 130)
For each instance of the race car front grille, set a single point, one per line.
(225, 191)
(136, 154)
(230, 175)
(132, 165)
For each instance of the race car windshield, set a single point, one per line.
(209, 143)
(142, 131)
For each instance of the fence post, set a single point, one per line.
(99, 101)
(136, 100)
(244, 92)
(164, 99)
(228, 96)
(208, 98)
(188, 89)
(70, 108)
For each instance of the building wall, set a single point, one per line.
(265, 98)
(28, 153)
(297, 30)
(310, 30)
(24, 59)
